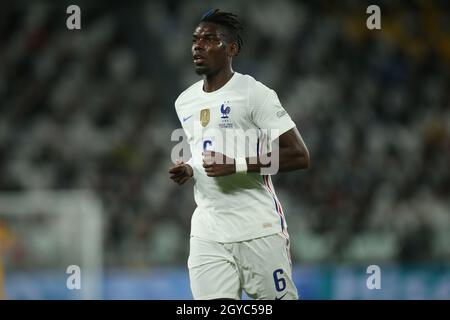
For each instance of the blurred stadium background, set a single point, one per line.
(85, 124)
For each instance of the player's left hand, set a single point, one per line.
(217, 164)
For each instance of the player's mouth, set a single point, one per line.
(199, 59)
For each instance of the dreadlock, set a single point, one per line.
(227, 20)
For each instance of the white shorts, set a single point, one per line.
(261, 267)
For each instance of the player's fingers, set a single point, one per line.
(176, 169)
(183, 180)
(208, 161)
(178, 175)
(208, 158)
(207, 165)
(173, 169)
(210, 169)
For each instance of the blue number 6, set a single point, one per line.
(280, 283)
(206, 143)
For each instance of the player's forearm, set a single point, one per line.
(288, 160)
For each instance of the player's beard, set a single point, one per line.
(201, 70)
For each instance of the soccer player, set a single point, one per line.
(239, 239)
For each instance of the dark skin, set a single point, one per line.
(213, 55)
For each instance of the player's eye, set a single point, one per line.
(209, 38)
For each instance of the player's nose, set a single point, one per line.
(197, 46)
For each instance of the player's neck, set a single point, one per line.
(214, 82)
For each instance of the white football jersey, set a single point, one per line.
(241, 206)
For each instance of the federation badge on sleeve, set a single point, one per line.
(204, 117)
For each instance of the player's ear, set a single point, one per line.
(233, 49)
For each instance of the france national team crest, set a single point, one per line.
(225, 109)
(204, 117)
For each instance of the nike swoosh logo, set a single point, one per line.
(279, 298)
(187, 118)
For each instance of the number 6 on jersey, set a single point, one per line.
(280, 283)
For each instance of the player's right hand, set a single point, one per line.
(181, 172)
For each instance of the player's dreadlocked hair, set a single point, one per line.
(227, 20)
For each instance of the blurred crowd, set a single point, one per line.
(93, 109)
